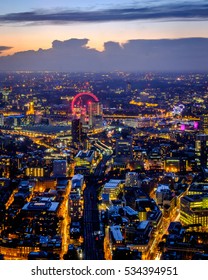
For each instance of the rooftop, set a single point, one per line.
(41, 206)
(116, 231)
(112, 184)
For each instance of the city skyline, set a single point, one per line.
(104, 133)
(35, 27)
(124, 178)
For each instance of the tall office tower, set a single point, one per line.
(76, 131)
(95, 113)
(201, 150)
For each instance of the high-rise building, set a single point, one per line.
(95, 114)
(76, 131)
(201, 150)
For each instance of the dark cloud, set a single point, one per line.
(4, 48)
(168, 11)
(72, 43)
(136, 55)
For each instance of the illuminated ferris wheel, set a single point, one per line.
(81, 101)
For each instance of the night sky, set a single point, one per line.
(112, 35)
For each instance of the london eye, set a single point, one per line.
(81, 101)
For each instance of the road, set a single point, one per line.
(92, 249)
(65, 222)
(91, 220)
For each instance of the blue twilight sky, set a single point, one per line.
(25, 5)
(33, 25)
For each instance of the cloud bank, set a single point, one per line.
(74, 55)
(150, 11)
